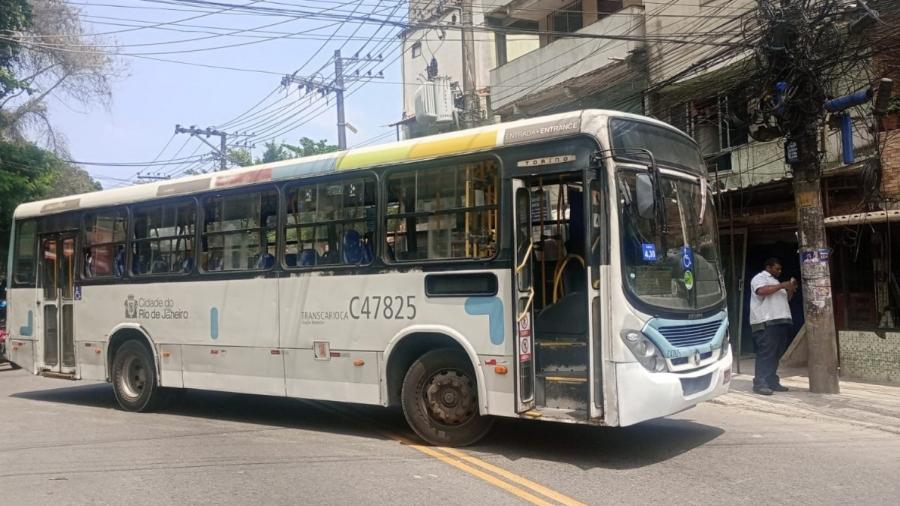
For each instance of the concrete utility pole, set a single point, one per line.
(797, 51)
(339, 95)
(221, 151)
(470, 101)
(336, 86)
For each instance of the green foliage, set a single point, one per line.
(309, 147)
(69, 180)
(26, 173)
(273, 153)
(240, 157)
(15, 15)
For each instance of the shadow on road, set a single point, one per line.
(583, 446)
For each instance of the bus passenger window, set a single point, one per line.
(443, 212)
(163, 241)
(24, 263)
(239, 232)
(103, 251)
(330, 223)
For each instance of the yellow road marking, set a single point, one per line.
(533, 499)
(546, 492)
(455, 458)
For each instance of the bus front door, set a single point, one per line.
(524, 296)
(57, 294)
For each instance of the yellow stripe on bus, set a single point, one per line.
(455, 145)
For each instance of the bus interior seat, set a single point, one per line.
(308, 257)
(564, 319)
(290, 259)
(119, 263)
(573, 278)
(353, 250)
(266, 261)
(159, 265)
(187, 265)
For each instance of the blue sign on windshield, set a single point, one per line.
(687, 258)
(649, 250)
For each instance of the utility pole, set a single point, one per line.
(336, 85)
(471, 108)
(221, 151)
(798, 49)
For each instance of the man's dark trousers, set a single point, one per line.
(770, 345)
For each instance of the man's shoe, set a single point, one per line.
(779, 388)
(763, 390)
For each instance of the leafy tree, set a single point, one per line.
(27, 173)
(273, 153)
(68, 63)
(309, 147)
(69, 180)
(15, 16)
(240, 157)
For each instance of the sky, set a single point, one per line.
(151, 96)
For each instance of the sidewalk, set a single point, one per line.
(861, 404)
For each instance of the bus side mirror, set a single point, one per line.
(645, 192)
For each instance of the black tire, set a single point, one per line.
(440, 399)
(135, 380)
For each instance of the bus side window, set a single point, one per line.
(330, 223)
(448, 212)
(163, 240)
(103, 250)
(24, 262)
(239, 231)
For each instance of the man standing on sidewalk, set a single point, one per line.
(770, 319)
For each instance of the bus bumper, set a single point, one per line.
(643, 395)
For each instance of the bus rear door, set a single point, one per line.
(56, 296)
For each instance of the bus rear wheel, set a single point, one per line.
(440, 400)
(134, 378)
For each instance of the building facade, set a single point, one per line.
(677, 61)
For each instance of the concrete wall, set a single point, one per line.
(565, 59)
(446, 47)
(672, 20)
(865, 355)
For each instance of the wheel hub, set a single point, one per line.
(135, 377)
(450, 398)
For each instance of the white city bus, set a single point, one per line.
(564, 268)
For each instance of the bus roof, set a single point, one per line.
(422, 148)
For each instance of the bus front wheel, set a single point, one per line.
(134, 378)
(440, 399)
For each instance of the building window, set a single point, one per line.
(447, 212)
(239, 232)
(568, 19)
(416, 49)
(103, 250)
(331, 223)
(163, 240)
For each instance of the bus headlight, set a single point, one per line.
(644, 351)
(726, 342)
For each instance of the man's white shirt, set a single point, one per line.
(764, 308)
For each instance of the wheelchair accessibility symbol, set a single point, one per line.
(687, 258)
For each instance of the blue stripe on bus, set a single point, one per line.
(493, 307)
(214, 323)
(26, 330)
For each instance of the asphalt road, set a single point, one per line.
(66, 443)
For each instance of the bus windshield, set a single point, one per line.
(676, 268)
